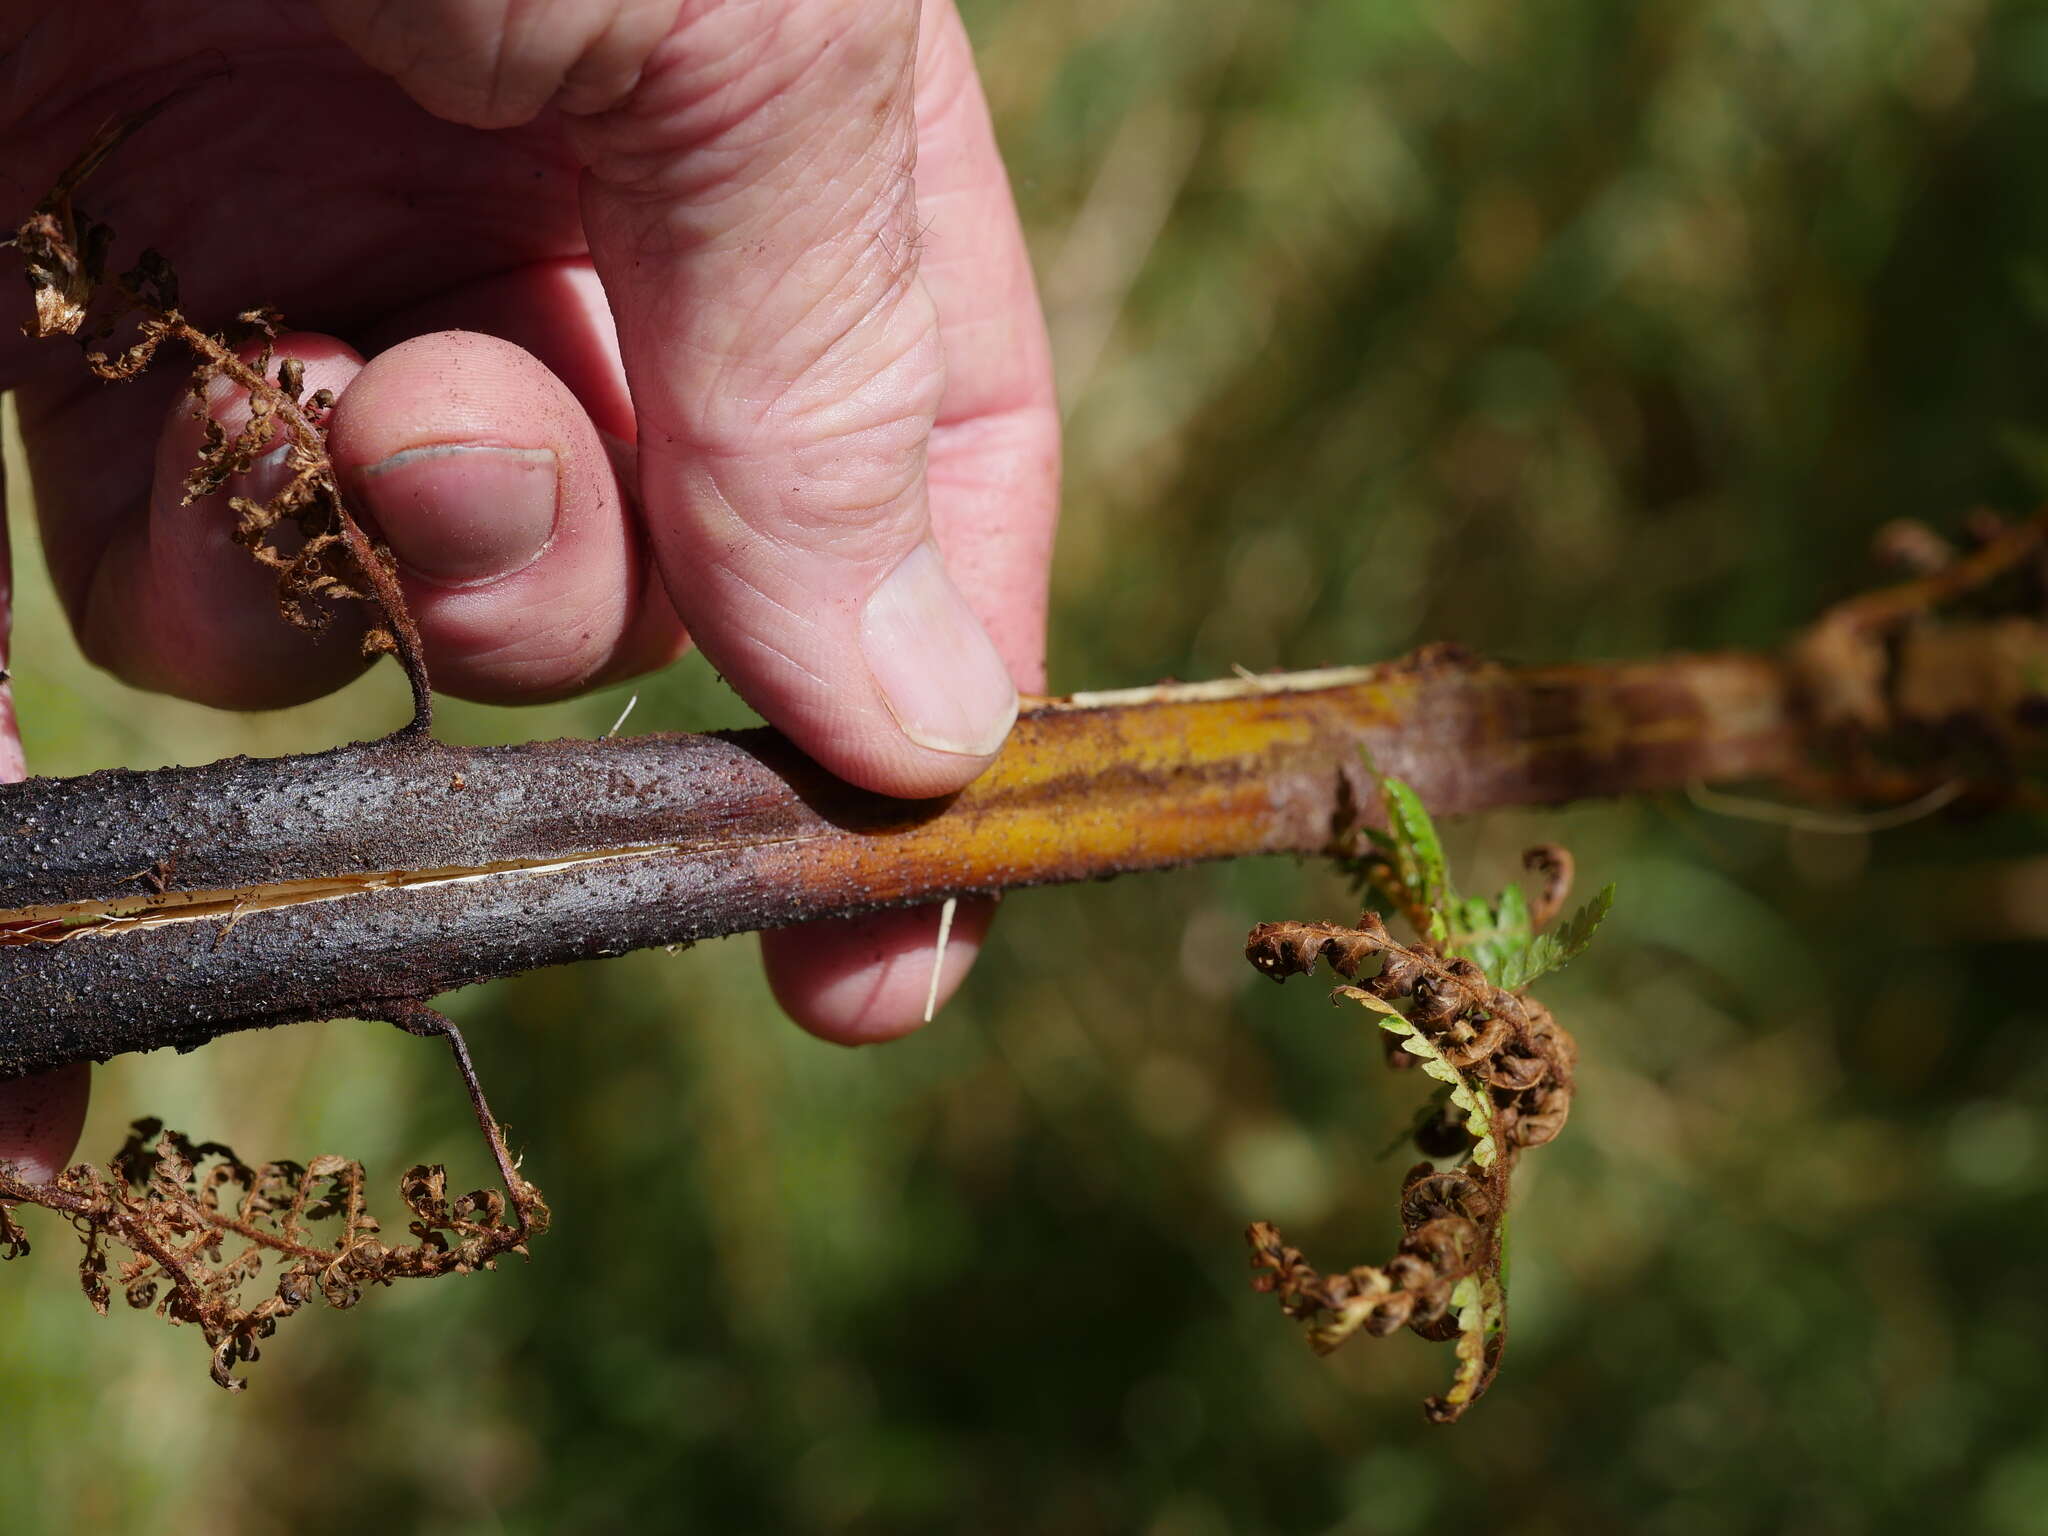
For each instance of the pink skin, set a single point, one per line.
(657, 324)
(39, 1116)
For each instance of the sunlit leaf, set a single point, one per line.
(1549, 951)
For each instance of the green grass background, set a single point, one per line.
(1584, 329)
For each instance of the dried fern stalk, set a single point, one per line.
(234, 1249)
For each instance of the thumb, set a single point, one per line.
(752, 213)
(750, 208)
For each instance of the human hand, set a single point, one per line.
(837, 381)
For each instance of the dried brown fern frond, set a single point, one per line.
(234, 1249)
(330, 558)
(1455, 1004)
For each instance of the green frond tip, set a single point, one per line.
(1548, 951)
(1496, 935)
(1482, 1308)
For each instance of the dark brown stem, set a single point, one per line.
(390, 872)
(382, 874)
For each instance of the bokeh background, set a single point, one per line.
(1587, 329)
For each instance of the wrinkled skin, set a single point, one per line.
(638, 320)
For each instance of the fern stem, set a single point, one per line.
(349, 881)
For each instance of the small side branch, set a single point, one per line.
(431, 1024)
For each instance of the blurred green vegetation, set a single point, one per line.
(1594, 328)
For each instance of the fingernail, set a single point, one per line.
(937, 667)
(465, 512)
